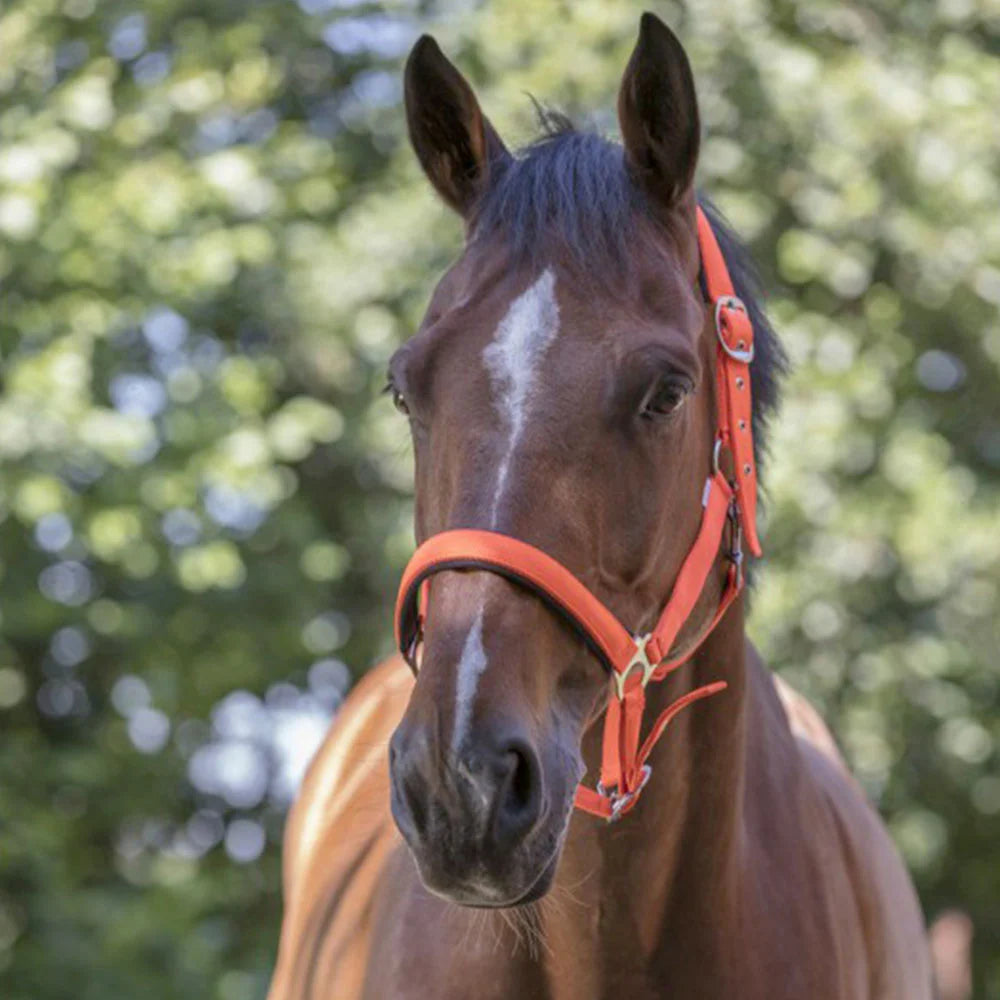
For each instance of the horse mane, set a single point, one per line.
(571, 187)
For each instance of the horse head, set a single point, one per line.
(559, 391)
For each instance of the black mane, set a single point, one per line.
(572, 186)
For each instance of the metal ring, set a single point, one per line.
(619, 801)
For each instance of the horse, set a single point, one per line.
(563, 393)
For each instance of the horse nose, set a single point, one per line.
(486, 797)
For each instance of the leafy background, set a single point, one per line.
(212, 235)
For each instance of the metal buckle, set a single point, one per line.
(620, 800)
(743, 355)
(641, 660)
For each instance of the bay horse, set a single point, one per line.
(563, 393)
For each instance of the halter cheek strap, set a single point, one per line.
(633, 661)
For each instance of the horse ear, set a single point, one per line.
(453, 140)
(658, 113)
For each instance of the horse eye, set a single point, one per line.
(399, 402)
(664, 398)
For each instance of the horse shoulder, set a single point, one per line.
(338, 838)
(807, 724)
(886, 905)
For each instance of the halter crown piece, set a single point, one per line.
(634, 661)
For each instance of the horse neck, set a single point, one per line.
(675, 856)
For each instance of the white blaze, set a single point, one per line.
(470, 669)
(524, 334)
(511, 359)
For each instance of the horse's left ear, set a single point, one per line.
(658, 113)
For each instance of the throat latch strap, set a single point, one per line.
(633, 662)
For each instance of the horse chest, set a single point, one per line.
(452, 953)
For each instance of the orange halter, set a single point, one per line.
(633, 661)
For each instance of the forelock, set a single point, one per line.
(568, 196)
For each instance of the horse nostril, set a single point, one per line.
(519, 797)
(520, 781)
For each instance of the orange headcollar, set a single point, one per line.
(633, 661)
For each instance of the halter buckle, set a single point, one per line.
(620, 800)
(742, 354)
(639, 659)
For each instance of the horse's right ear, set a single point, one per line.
(455, 143)
(658, 114)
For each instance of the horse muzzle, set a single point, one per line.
(477, 821)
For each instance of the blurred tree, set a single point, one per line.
(212, 237)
